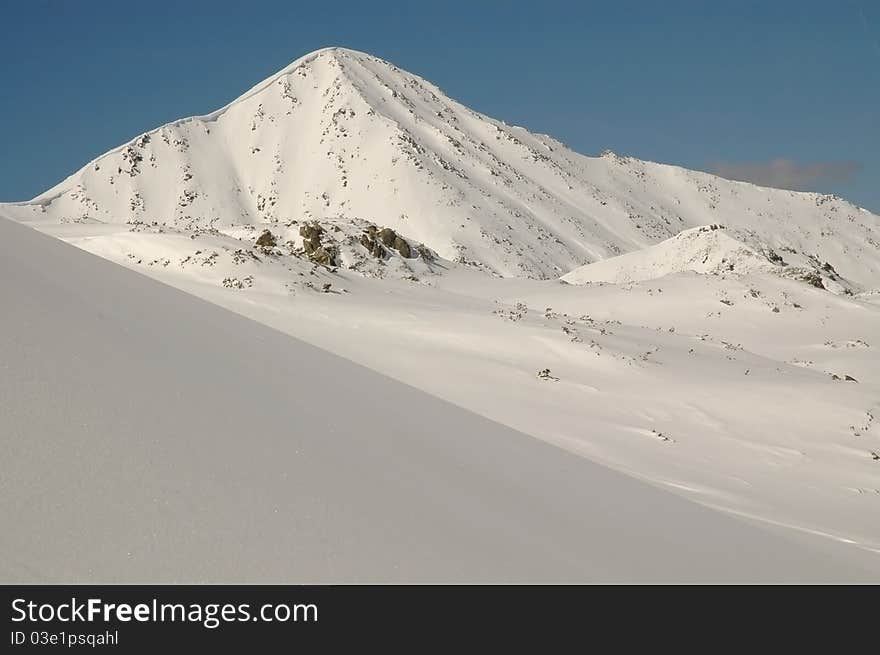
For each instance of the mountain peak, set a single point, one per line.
(341, 134)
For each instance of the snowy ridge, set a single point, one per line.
(340, 133)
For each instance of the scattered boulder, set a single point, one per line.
(266, 240)
(387, 236)
(401, 246)
(773, 257)
(372, 244)
(661, 436)
(545, 374)
(374, 239)
(325, 255)
(312, 234)
(814, 279)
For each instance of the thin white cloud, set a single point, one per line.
(788, 174)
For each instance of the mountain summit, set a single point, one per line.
(340, 134)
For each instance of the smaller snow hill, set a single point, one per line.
(712, 250)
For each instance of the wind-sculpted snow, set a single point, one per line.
(148, 436)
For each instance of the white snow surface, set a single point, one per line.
(151, 437)
(700, 337)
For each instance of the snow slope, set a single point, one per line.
(735, 365)
(720, 387)
(342, 134)
(148, 436)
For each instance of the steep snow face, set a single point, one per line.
(346, 136)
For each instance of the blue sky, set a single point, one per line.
(782, 92)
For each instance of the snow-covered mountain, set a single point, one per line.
(710, 249)
(713, 337)
(343, 135)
